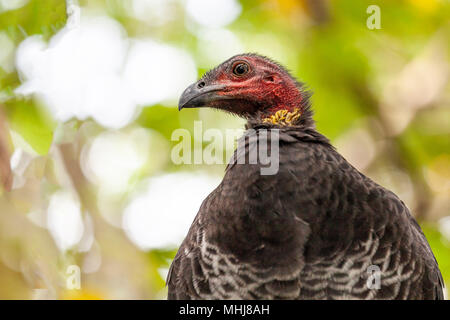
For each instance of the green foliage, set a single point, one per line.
(36, 17)
(26, 117)
(159, 259)
(32, 123)
(160, 118)
(441, 248)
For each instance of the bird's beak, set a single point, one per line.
(195, 96)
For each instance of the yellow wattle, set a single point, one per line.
(284, 117)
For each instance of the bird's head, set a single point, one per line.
(250, 86)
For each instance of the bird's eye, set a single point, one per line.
(241, 68)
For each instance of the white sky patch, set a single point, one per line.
(156, 72)
(160, 216)
(78, 73)
(92, 69)
(64, 219)
(153, 12)
(444, 227)
(20, 160)
(6, 5)
(217, 45)
(216, 13)
(114, 157)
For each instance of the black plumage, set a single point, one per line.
(313, 230)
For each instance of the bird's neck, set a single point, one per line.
(287, 105)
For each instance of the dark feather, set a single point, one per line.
(309, 232)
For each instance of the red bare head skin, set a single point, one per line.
(265, 86)
(248, 85)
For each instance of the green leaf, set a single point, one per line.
(441, 249)
(32, 123)
(36, 17)
(159, 258)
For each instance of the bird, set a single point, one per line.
(316, 229)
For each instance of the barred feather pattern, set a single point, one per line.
(312, 231)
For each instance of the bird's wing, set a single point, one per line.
(356, 225)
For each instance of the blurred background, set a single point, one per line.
(91, 205)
